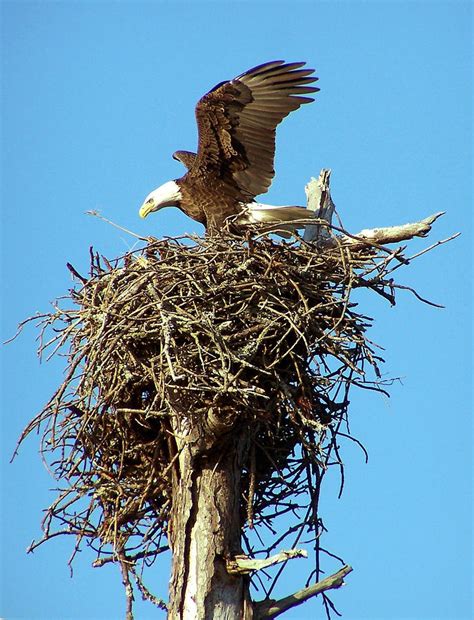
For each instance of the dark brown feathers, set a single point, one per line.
(185, 157)
(237, 122)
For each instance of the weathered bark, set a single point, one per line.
(205, 532)
(271, 609)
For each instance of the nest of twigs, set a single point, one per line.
(218, 333)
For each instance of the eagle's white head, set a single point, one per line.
(167, 195)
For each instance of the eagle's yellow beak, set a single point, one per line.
(147, 207)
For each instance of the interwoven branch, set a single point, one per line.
(224, 334)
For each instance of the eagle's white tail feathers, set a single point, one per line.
(278, 219)
(281, 217)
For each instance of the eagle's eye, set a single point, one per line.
(149, 201)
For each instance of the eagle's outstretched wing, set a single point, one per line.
(237, 121)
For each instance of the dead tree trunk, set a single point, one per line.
(206, 521)
(205, 531)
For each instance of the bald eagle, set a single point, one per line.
(236, 123)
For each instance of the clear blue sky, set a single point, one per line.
(96, 96)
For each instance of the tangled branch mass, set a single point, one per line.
(218, 333)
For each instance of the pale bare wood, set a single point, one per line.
(242, 564)
(271, 608)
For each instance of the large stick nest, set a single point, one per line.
(223, 334)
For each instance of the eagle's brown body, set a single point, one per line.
(209, 200)
(234, 162)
